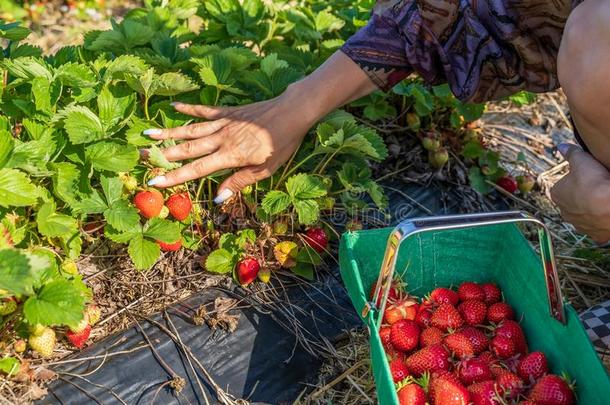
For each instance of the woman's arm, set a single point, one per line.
(260, 137)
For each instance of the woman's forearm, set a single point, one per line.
(335, 83)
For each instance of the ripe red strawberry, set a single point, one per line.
(405, 335)
(399, 369)
(444, 296)
(492, 293)
(149, 202)
(552, 390)
(484, 393)
(384, 335)
(503, 347)
(459, 345)
(471, 291)
(513, 331)
(448, 392)
(412, 394)
(316, 238)
(432, 358)
(78, 338)
(179, 206)
(473, 311)
(510, 384)
(399, 310)
(446, 316)
(423, 316)
(170, 247)
(500, 311)
(431, 336)
(478, 339)
(508, 183)
(247, 270)
(488, 358)
(532, 366)
(526, 402)
(474, 370)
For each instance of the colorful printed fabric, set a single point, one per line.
(484, 49)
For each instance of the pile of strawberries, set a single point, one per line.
(464, 347)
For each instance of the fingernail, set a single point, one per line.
(156, 180)
(563, 148)
(153, 131)
(144, 153)
(223, 196)
(175, 103)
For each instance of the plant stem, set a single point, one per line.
(146, 108)
(279, 183)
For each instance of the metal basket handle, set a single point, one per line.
(414, 226)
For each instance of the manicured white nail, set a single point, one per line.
(563, 148)
(175, 103)
(156, 180)
(153, 131)
(223, 196)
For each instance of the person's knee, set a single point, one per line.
(584, 54)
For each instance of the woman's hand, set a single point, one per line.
(258, 138)
(583, 195)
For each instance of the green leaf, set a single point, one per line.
(227, 241)
(143, 252)
(470, 112)
(326, 22)
(122, 217)
(144, 84)
(93, 203)
(113, 109)
(41, 90)
(51, 224)
(82, 125)
(307, 210)
(122, 237)
(6, 147)
(275, 201)
(10, 365)
(13, 31)
(308, 255)
(27, 68)
(220, 261)
(304, 186)
(75, 75)
(473, 150)
(523, 98)
(125, 65)
(57, 303)
(477, 180)
(112, 156)
(113, 189)
(16, 275)
(376, 193)
(245, 237)
(163, 230)
(65, 181)
(172, 83)
(304, 270)
(16, 189)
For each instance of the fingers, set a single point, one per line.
(239, 180)
(193, 149)
(204, 111)
(194, 170)
(192, 131)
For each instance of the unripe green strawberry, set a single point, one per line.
(438, 158)
(472, 135)
(19, 346)
(413, 121)
(44, 341)
(129, 182)
(285, 253)
(69, 267)
(93, 313)
(164, 212)
(431, 143)
(280, 228)
(486, 170)
(525, 183)
(7, 306)
(264, 275)
(247, 190)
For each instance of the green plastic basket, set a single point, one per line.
(442, 251)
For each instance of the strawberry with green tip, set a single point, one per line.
(316, 238)
(79, 335)
(247, 270)
(42, 340)
(179, 206)
(149, 203)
